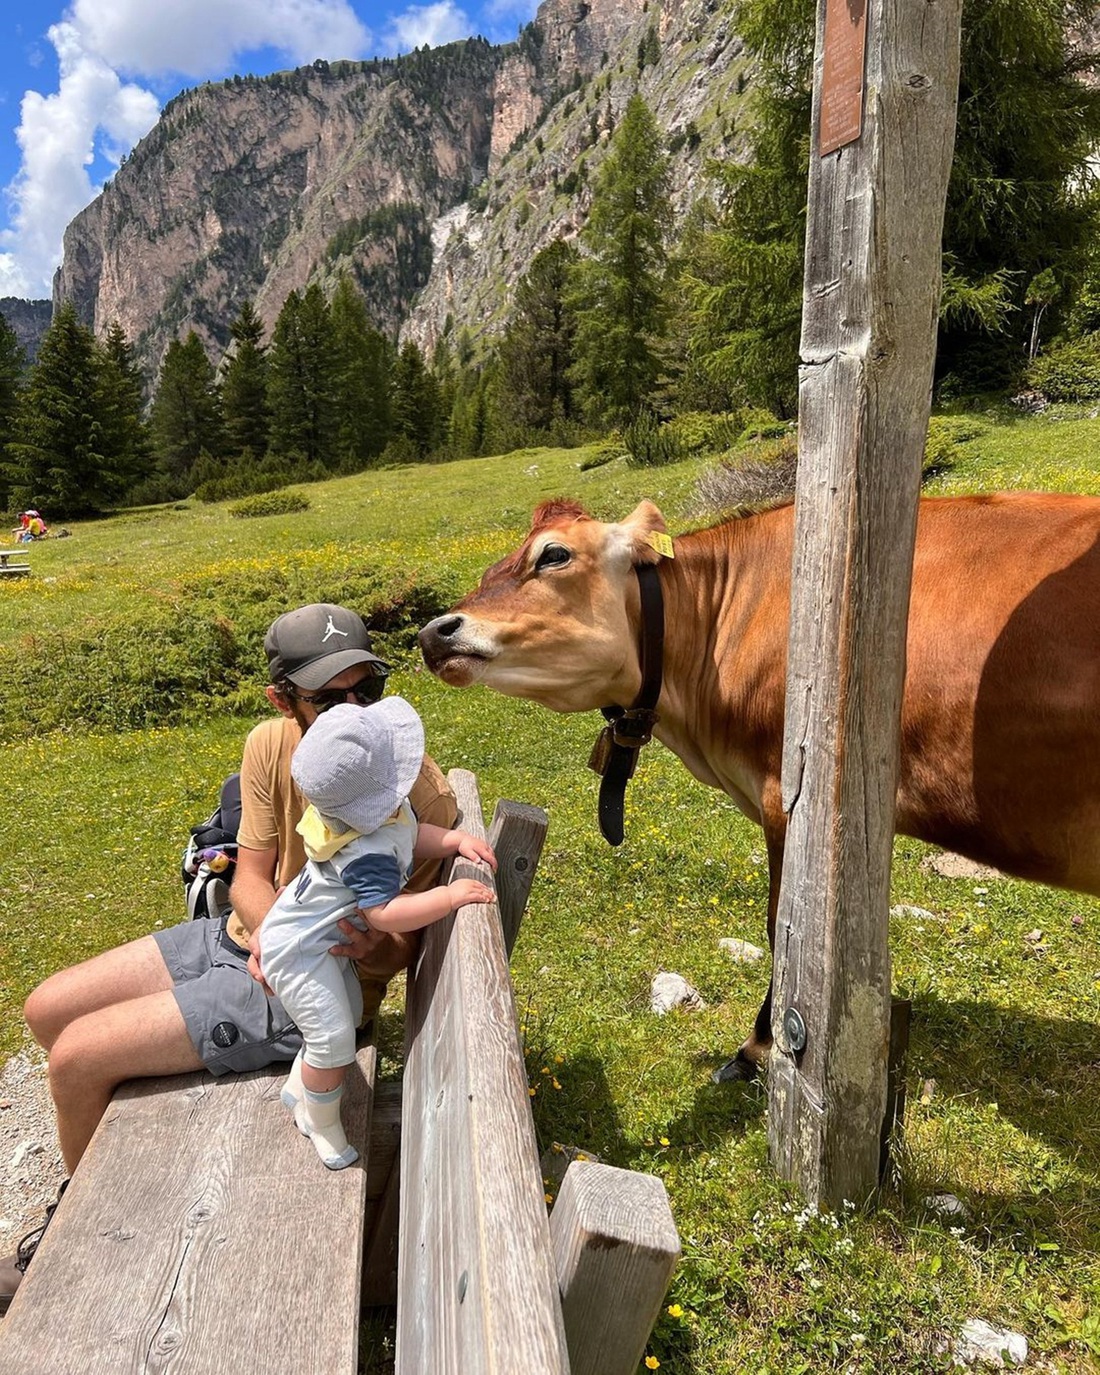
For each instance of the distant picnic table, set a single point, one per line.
(13, 570)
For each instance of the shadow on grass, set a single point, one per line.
(585, 1117)
(1042, 1075)
(1042, 1072)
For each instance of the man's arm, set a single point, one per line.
(253, 893)
(254, 885)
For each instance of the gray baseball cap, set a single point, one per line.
(311, 645)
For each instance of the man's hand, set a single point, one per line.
(360, 944)
(469, 847)
(254, 964)
(468, 890)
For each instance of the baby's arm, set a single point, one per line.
(411, 911)
(433, 842)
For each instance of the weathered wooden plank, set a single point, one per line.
(200, 1235)
(868, 343)
(517, 835)
(615, 1248)
(383, 1199)
(477, 1288)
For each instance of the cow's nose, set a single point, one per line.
(437, 632)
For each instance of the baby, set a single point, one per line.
(355, 765)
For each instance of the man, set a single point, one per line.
(191, 996)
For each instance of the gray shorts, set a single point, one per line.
(232, 1022)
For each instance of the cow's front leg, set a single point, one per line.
(753, 1054)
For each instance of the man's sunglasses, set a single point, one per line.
(365, 691)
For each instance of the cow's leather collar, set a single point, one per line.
(629, 728)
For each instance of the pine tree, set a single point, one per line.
(185, 419)
(537, 351)
(126, 442)
(1020, 198)
(301, 381)
(619, 294)
(244, 387)
(363, 359)
(13, 362)
(57, 459)
(416, 415)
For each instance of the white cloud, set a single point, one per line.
(433, 25)
(200, 38)
(519, 11)
(95, 112)
(57, 136)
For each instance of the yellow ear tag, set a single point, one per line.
(657, 539)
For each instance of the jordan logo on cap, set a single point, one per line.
(331, 630)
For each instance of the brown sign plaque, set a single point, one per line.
(842, 75)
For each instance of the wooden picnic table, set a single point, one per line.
(8, 569)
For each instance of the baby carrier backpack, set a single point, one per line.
(210, 859)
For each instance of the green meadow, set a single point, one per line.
(131, 668)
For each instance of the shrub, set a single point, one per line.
(279, 503)
(700, 432)
(1068, 372)
(763, 477)
(945, 434)
(398, 452)
(650, 444)
(203, 649)
(761, 424)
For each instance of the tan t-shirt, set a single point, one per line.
(272, 806)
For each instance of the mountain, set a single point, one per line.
(29, 320)
(432, 179)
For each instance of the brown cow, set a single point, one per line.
(1000, 751)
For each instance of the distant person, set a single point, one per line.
(356, 767)
(185, 996)
(31, 527)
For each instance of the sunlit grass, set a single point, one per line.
(1004, 1063)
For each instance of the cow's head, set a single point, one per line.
(553, 621)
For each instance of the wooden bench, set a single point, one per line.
(200, 1235)
(13, 570)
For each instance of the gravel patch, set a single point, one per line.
(31, 1167)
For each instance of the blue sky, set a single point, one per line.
(81, 83)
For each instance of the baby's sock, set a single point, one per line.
(318, 1117)
(292, 1089)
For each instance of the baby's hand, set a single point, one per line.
(469, 847)
(468, 890)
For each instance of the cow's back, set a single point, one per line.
(1001, 731)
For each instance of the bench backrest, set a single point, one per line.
(477, 1288)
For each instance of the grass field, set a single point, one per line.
(1004, 1066)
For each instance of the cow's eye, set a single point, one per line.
(553, 556)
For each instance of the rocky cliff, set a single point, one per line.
(28, 320)
(432, 179)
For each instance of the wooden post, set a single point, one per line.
(476, 1284)
(517, 836)
(615, 1248)
(870, 305)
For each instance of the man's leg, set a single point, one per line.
(95, 1041)
(117, 976)
(92, 1055)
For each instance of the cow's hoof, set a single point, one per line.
(739, 1070)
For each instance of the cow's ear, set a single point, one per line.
(644, 531)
